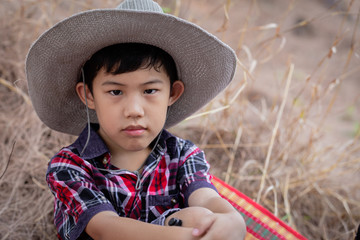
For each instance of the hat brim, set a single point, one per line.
(205, 64)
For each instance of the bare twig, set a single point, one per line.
(274, 132)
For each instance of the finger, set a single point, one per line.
(212, 234)
(203, 226)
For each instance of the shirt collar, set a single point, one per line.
(97, 147)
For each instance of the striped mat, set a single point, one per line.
(260, 222)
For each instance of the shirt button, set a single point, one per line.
(173, 201)
(105, 161)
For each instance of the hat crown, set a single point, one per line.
(140, 5)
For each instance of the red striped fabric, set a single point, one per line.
(260, 222)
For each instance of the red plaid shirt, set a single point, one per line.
(84, 186)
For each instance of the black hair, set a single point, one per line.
(128, 57)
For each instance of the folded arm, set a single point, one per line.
(108, 225)
(225, 222)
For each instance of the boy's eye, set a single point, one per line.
(115, 92)
(150, 91)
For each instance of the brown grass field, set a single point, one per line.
(286, 131)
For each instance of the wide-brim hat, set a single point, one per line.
(204, 63)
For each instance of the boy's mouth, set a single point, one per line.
(134, 130)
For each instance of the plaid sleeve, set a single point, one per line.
(193, 171)
(77, 198)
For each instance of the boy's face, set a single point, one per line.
(131, 107)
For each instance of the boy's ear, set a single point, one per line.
(89, 97)
(176, 91)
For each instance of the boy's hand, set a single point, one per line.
(191, 216)
(224, 223)
(219, 226)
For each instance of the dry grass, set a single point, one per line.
(289, 139)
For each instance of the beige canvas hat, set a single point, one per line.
(204, 63)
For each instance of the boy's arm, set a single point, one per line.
(225, 223)
(108, 225)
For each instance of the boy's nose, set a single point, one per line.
(133, 109)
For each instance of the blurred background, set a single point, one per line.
(285, 132)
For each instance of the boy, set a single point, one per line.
(136, 71)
